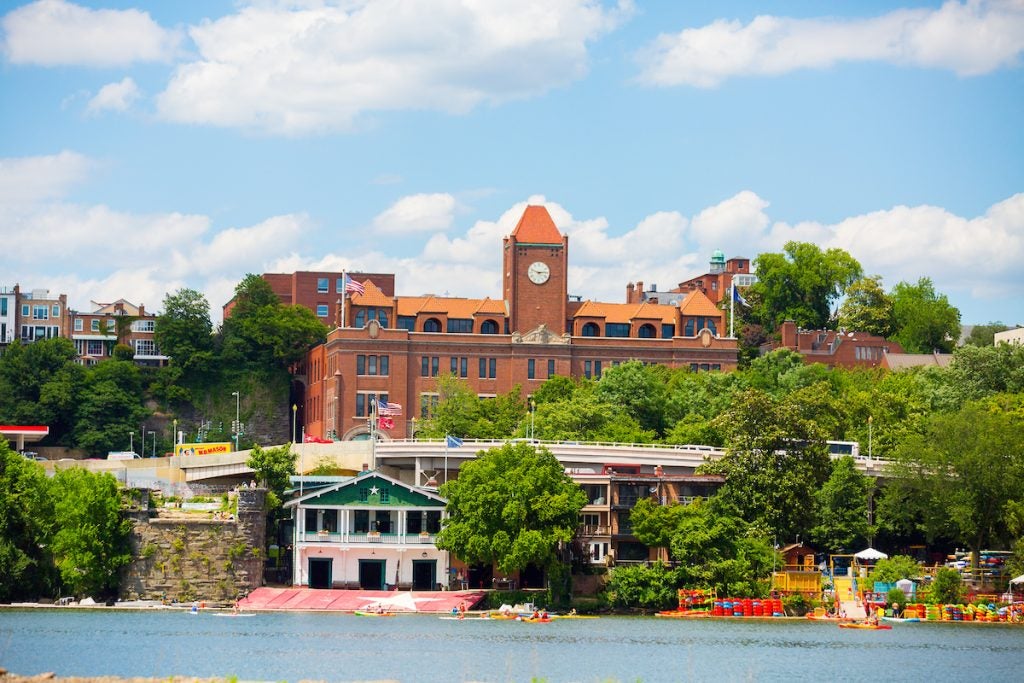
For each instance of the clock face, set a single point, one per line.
(538, 272)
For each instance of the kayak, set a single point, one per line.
(538, 620)
(574, 616)
(361, 613)
(677, 614)
(868, 627)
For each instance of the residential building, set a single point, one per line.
(834, 348)
(40, 316)
(319, 291)
(393, 348)
(902, 361)
(1014, 336)
(8, 315)
(97, 333)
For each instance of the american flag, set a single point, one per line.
(353, 286)
(389, 409)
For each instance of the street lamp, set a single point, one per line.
(295, 410)
(533, 407)
(237, 399)
(131, 441)
(154, 443)
(869, 437)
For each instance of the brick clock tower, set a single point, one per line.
(536, 259)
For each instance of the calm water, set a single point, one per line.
(336, 647)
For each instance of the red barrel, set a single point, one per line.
(748, 607)
(716, 609)
(758, 608)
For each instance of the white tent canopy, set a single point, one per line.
(871, 554)
(1019, 579)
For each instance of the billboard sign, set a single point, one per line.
(202, 448)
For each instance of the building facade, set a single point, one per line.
(835, 348)
(39, 315)
(96, 334)
(319, 291)
(393, 349)
(713, 284)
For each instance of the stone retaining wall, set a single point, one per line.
(192, 556)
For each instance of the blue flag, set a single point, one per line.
(738, 298)
(453, 442)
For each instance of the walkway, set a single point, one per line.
(336, 600)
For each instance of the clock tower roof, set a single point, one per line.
(536, 227)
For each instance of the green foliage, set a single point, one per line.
(892, 569)
(775, 460)
(638, 389)
(272, 466)
(946, 587)
(867, 308)
(184, 331)
(842, 508)
(895, 596)
(90, 543)
(980, 371)
(924, 320)
(957, 480)
(40, 384)
(650, 587)
(460, 412)
(800, 284)
(587, 417)
(985, 335)
(26, 520)
(511, 506)
(110, 407)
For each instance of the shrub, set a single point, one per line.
(946, 588)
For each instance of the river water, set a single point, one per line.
(343, 647)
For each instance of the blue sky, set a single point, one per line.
(146, 147)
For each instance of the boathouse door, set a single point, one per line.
(371, 575)
(424, 575)
(320, 572)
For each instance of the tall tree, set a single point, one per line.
(957, 479)
(979, 371)
(40, 384)
(776, 458)
(923, 319)
(639, 389)
(184, 331)
(110, 408)
(26, 515)
(867, 308)
(801, 284)
(273, 468)
(90, 539)
(511, 506)
(841, 508)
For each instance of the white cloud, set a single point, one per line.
(287, 69)
(114, 97)
(417, 213)
(26, 180)
(969, 38)
(58, 33)
(732, 224)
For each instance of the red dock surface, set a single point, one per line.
(310, 599)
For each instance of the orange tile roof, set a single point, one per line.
(450, 306)
(697, 303)
(537, 227)
(372, 296)
(627, 313)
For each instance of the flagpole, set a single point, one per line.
(445, 458)
(373, 435)
(344, 295)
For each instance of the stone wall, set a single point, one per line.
(189, 556)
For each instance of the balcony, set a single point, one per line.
(335, 537)
(591, 530)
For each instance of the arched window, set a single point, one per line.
(432, 325)
(591, 330)
(360, 317)
(488, 327)
(382, 317)
(646, 331)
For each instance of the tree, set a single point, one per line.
(923, 319)
(776, 458)
(637, 388)
(512, 507)
(26, 514)
(184, 331)
(110, 407)
(40, 384)
(90, 540)
(867, 308)
(642, 586)
(985, 335)
(946, 588)
(841, 507)
(711, 545)
(957, 479)
(980, 371)
(892, 569)
(272, 466)
(801, 284)
(586, 417)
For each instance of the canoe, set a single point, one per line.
(868, 627)
(361, 613)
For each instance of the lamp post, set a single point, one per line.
(237, 399)
(533, 408)
(295, 411)
(131, 441)
(870, 420)
(143, 440)
(174, 433)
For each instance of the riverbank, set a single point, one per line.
(49, 677)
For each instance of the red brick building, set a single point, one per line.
(714, 284)
(319, 291)
(394, 348)
(835, 348)
(95, 334)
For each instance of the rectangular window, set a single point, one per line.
(551, 367)
(371, 365)
(428, 402)
(94, 348)
(435, 366)
(24, 310)
(383, 366)
(668, 331)
(40, 312)
(597, 369)
(111, 325)
(463, 367)
(429, 366)
(360, 365)
(488, 368)
(144, 326)
(616, 330)
(55, 310)
(587, 369)
(455, 365)
(531, 369)
(322, 285)
(339, 286)
(460, 325)
(407, 322)
(3, 307)
(78, 324)
(145, 347)
(360, 404)
(94, 325)
(321, 310)
(424, 366)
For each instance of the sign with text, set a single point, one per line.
(202, 448)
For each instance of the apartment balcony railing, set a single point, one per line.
(369, 537)
(589, 530)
